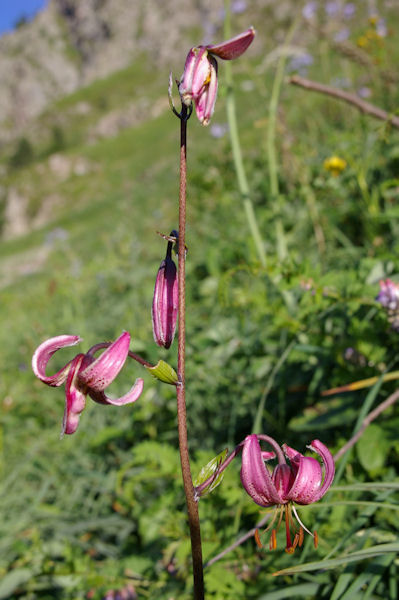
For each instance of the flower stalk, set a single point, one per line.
(192, 505)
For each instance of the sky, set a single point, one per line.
(12, 10)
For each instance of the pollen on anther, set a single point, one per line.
(273, 540)
(315, 539)
(257, 539)
(301, 536)
(296, 540)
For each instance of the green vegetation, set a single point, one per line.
(104, 507)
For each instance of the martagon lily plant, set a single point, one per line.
(301, 480)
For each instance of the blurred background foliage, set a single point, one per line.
(104, 508)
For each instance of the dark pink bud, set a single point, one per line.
(165, 301)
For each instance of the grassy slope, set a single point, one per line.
(65, 507)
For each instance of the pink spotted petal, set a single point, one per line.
(128, 398)
(255, 477)
(75, 399)
(329, 465)
(43, 354)
(205, 102)
(308, 477)
(234, 47)
(101, 372)
(283, 478)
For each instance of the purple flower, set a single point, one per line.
(199, 82)
(364, 92)
(381, 28)
(238, 7)
(301, 481)
(331, 8)
(300, 63)
(165, 301)
(218, 130)
(349, 10)
(309, 10)
(85, 375)
(342, 35)
(388, 296)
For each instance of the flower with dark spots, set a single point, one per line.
(301, 481)
(85, 375)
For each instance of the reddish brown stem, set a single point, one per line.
(366, 422)
(364, 107)
(192, 506)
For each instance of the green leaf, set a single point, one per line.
(302, 589)
(208, 471)
(372, 448)
(344, 560)
(13, 580)
(164, 372)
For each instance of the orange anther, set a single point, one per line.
(315, 539)
(257, 539)
(296, 540)
(273, 540)
(301, 535)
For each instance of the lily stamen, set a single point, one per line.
(273, 540)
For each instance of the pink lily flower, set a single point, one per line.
(199, 82)
(301, 481)
(165, 301)
(85, 375)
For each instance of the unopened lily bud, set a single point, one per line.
(165, 301)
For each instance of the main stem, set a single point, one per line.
(192, 506)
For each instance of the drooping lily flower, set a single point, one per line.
(165, 301)
(301, 481)
(199, 82)
(85, 375)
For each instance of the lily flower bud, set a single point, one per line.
(165, 301)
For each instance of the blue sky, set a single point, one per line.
(12, 10)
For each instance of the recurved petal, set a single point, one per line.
(308, 477)
(75, 399)
(128, 398)
(43, 354)
(255, 477)
(329, 465)
(234, 47)
(100, 373)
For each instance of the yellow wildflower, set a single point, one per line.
(335, 165)
(362, 41)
